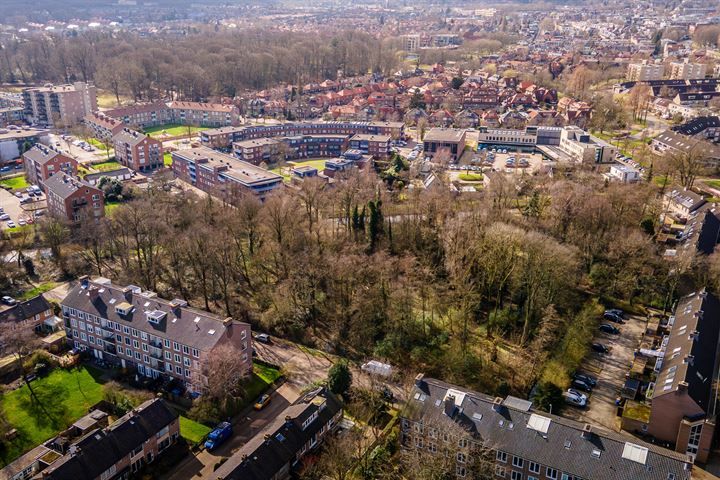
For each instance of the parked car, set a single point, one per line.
(18, 194)
(7, 300)
(581, 385)
(221, 433)
(613, 317)
(262, 337)
(616, 311)
(600, 348)
(573, 397)
(22, 222)
(262, 402)
(4, 216)
(38, 213)
(592, 381)
(11, 224)
(607, 328)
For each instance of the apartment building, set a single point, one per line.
(137, 330)
(119, 450)
(59, 105)
(103, 126)
(14, 141)
(222, 174)
(507, 438)
(683, 409)
(72, 199)
(257, 151)
(276, 449)
(224, 137)
(687, 70)
(42, 162)
(142, 115)
(682, 203)
(204, 114)
(137, 151)
(377, 146)
(451, 140)
(644, 71)
(623, 174)
(582, 147)
(11, 115)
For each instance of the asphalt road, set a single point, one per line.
(610, 370)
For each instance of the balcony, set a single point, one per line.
(155, 353)
(156, 343)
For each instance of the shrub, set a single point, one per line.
(38, 357)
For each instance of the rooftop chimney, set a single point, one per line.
(497, 404)
(127, 293)
(94, 292)
(227, 322)
(586, 431)
(682, 386)
(419, 379)
(84, 281)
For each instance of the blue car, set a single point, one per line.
(221, 433)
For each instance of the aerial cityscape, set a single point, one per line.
(357, 240)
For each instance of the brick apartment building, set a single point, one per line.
(276, 449)
(41, 162)
(204, 114)
(258, 150)
(103, 127)
(224, 137)
(142, 115)
(377, 146)
(72, 199)
(137, 151)
(506, 438)
(121, 449)
(59, 105)
(32, 313)
(222, 174)
(451, 140)
(683, 408)
(136, 329)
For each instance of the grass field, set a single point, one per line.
(111, 205)
(262, 377)
(192, 431)
(106, 166)
(34, 292)
(14, 182)
(64, 396)
(318, 163)
(713, 184)
(471, 177)
(172, 130)
(167, 159)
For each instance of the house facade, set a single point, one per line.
(59, 105)
(72, 199)
(137, 151)
(135, 329)
(41, 162)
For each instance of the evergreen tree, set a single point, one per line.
(375, 224)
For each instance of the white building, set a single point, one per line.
(687, 71)
(644, 71)
(623, 173)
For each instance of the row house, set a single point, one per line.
(276, 451)
(204, 114)
(72, 199)
(35, 313)
(135, 329)
(222, 174)
(142, 115)
(137, 151)
(119, 450)
(103, 126)
(481, 98)
(495, 437)
(41, 162)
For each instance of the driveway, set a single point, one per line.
(610, 370)
(245, 426)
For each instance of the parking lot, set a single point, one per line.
(66, 145)
(509, 162)
(15, 210)
(610, 370)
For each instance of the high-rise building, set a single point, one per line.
(687, 71)
(59, 105)
(644, 71)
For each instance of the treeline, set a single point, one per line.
(195, 66)
(477, 291)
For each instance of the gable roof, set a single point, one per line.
(514, 427)
(25, 310)
(64, 185)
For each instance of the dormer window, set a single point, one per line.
(155, 316)
(123, 308)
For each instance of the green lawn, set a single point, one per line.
(34, 292)
(107, 166)
(261, 380)
(318, 163)
(713, 184)
(167, 159)
(471, 177)
(111, 205)
(14, 182)
(172, 130)
(64, 396)
(193, 431)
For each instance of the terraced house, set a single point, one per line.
(507, 438)
(136, 329)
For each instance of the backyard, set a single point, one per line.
(318, 163)
(171, 130)
(106, 166)
(14, 183)
(263, 376)
(63, 396)
(192, 431)
(167, 159)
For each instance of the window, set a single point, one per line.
(515, 475)
(83, 337)
(186, 350)
(167, 343)
(177, 358)
(119, 338)
(551, 473)
(195, 353)
(186, 361)
(144, 336)
(501, 456)
(168, 367)
(500, 471)
(460, 471)
(127, 341)
(432, 448)
(534, 467)
(187, 373)
(126, 330)
(176, 346)
(178, 370)
(136, 344)
(137, 356)
(460, 457)
(168, 356)
(134, 332)
(91, 339)
(518, 462)
(418, 442)
(418, 427)
(462, 443)
(146, 359)
(144, 347)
